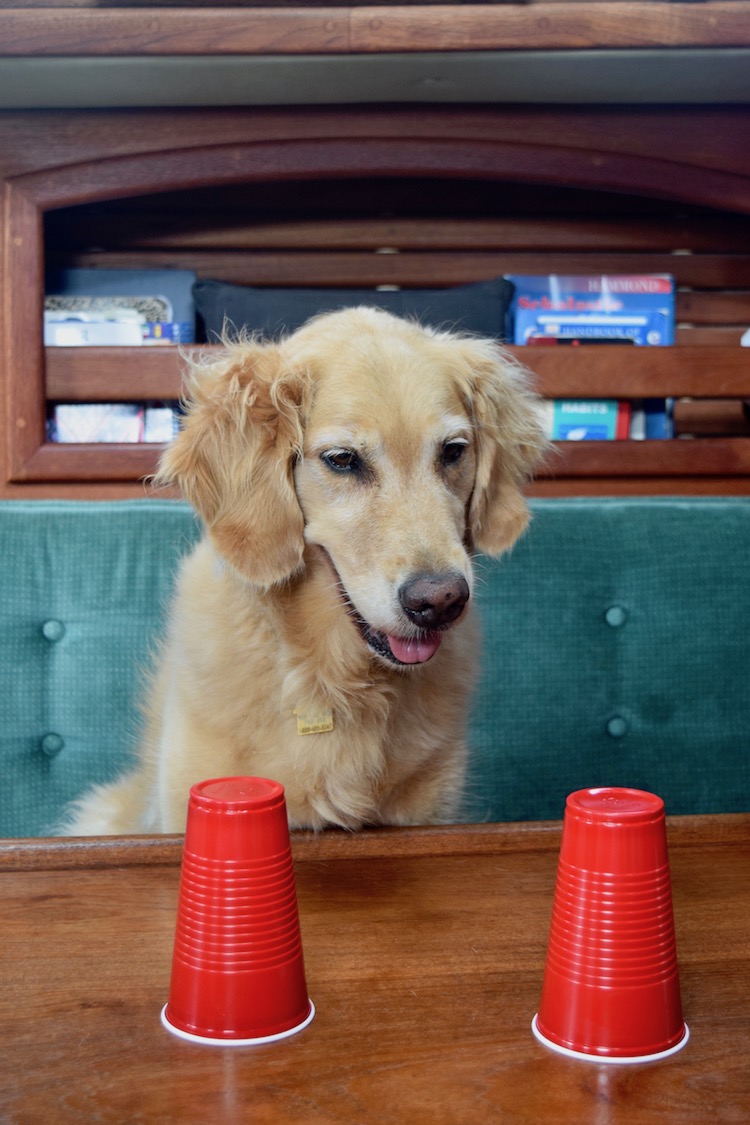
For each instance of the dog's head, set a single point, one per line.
(388, 450)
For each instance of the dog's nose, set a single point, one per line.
(433, 601)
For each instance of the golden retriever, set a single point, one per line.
(321, 634)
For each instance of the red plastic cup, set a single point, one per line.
(611, 986)
(238, 975)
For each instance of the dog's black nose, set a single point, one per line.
(433, 601)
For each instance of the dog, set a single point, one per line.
(321, 632)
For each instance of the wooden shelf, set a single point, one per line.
(454, 194)
(135, 374)
(637, 461)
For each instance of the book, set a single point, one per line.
(96, 422)
(619, 308)
(113, 422)
(85, 307)
(586, 420)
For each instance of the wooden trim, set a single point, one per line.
(317, 269)
(724, 457)
(606, 485)
(134, 374)
(574, 25)
(348, 157)
(674, 458)
(100, 462)
(23, 289)
(385, 843)
(160, 227)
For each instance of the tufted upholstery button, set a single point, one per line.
(617, 727)
(52, 744)
(53, 630)
(615, 616)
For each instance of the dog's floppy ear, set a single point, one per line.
(510, 443)
(234, 458)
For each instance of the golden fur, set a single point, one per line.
(330, 469)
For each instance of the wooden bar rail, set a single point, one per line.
(574, 25)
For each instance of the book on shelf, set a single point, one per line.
(606, 419)
(103, 422)
(588, 420)
(617, 308)
(125, 308)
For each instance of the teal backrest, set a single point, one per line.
(616, 651)
(84, 587)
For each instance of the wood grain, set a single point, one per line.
(127, 374)
(425, 968)
(575, 24)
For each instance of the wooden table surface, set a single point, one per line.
(424, 951)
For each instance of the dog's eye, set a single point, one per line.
(341, 460)
(452, 452)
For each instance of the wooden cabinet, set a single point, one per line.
(421, 196)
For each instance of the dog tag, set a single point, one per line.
(313, 722)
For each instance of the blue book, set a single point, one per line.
(635, 309)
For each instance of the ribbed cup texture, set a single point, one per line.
(611, 984)
(237, 968)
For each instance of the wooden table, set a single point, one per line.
(424, 951)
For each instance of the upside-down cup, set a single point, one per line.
(611, 989)
(238, 975)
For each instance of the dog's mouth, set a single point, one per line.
(398, 650)
(401, 651)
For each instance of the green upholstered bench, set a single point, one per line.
(616, 652)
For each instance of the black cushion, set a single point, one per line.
(480, 308)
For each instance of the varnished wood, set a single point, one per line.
(711, 416)
(719, 457)
(24, 406)
(150, 224)
(317, 269)
(127, 374)
(572, 24)
(424, 952)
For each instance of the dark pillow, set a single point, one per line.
(480, 308)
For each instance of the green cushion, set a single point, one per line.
(83, 591)
(616, 652)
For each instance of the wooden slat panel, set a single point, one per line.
(132, 374)
(687, 335)
(135, 229)
(709, 456)
(724, 457)
(636, 372)
(317, 269)
(575, 24)
(714, 308)
(110, 462)
(704, 417)
(691, 485)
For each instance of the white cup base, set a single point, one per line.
(212, 1042)
(615, 1059)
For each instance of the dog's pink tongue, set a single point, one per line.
(415, 650)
